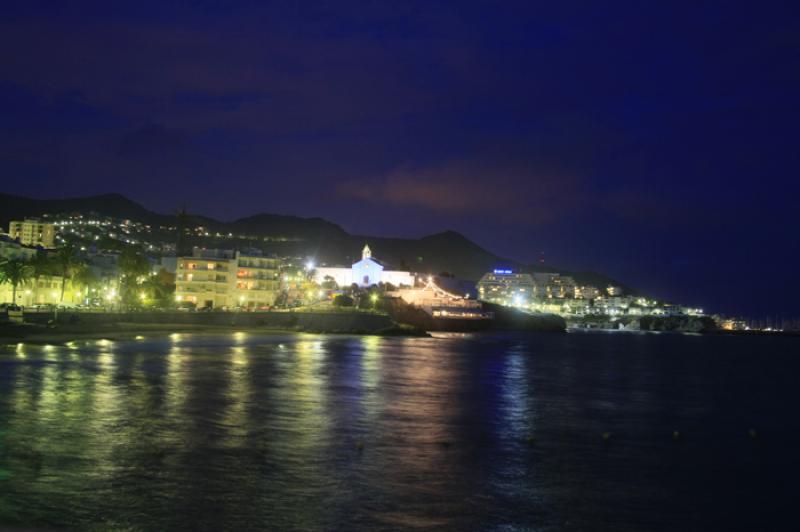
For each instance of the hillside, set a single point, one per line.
(117, 205)
(327, 242)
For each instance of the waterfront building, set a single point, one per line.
(43, 290)
(542, 283)
(441, 304)
(553, 286)
(257, 281)
(225, 279)
(505, 287)
(33, 232)
(366, 272)
(613, 306)
(204, 280)
(730, 324)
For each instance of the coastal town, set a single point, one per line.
(94, 263)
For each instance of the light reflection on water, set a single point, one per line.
(306, 431)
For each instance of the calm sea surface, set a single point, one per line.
(315, 432)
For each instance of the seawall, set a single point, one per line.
(355, 322)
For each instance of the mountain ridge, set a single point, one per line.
(445, 251)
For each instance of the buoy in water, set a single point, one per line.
(676, 435)
(360, 446)
(606, 436)
(531, 440)
(752, 433)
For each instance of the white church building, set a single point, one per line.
(365, 272)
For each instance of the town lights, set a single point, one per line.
(310, 265)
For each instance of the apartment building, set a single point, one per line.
(33, 232)
(227, 279)
(553, 286)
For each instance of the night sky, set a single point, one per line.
(653, 141)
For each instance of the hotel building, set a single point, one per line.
(33, 232)
(506, 287)
(217, 279)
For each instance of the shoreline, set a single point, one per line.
(125, 331)
(718, 332)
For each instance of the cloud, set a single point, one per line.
(511, 192)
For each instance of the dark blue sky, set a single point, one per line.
(653, 141)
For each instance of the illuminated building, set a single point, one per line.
(44, 290)
(586, 292)
(505, 287)
(33, 232)
(217, 279)
(257, 281)
(366, 272)
(442, 304)
(614, 290)
(553, 286)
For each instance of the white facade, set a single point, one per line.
(365, 272)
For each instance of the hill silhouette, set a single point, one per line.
(325, 241)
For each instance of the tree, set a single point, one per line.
(85, 277)
(182, 219)
(386, 287)
(160, 288)
(134, 268)
(15, 272)
(67, 262)
(369, 300)
(329, 283)
(133, 263)
(342, 300)
(42, 265)
(282, 299)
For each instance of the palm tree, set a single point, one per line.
(182, 219)
(160, 287)
(16, 272)
(132, 263)
(67, 263)
(42, 265)
(85, 277)
(133, 266)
